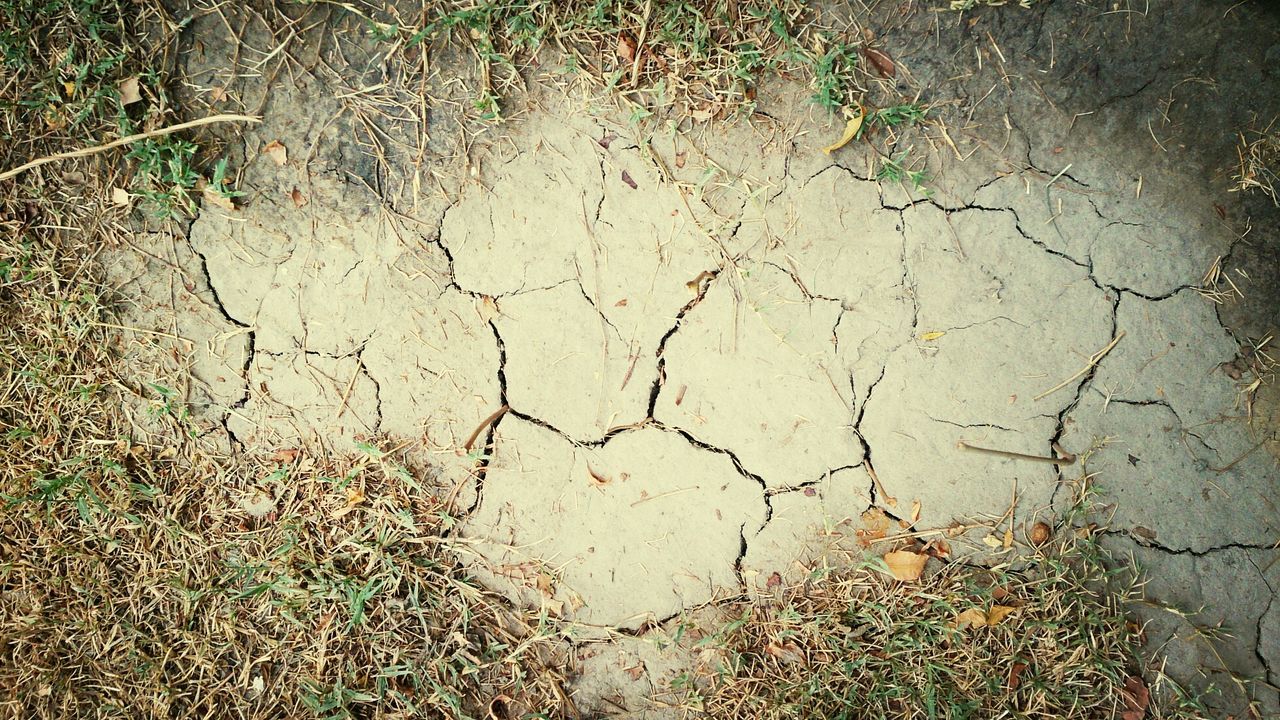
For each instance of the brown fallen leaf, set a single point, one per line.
(626, 178)
(285, 455)
(788, 652)
(626, 47)
(775, 580)
(217, 94)
(1015, 675)
(904, 565)
(680, 159)
(277, 152)
(881, 61)
(607, 140)
(621, 303)
(635, 672)
(129, 92)
(298, 198)
(1136, 698)
(1008, 538)
(915, 511)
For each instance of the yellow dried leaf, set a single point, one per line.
(70, 87)
(991, 541)
(120, 197)
(851, 129)
(1008, 538)
(934, 335)
(998, 613)
(905, 566)
(973, 617)
(915, 511)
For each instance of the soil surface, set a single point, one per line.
(719, 347)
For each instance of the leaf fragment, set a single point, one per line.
(851, 129)
(881, 61)
(932, 335)
(129, 92)
(277, 152)
(904, 565)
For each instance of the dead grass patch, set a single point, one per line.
(1259, 162)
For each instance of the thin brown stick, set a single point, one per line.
(493, 418)
(1093, 360)
(85, 152)
(1018, 456)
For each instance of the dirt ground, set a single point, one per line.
(709, 343)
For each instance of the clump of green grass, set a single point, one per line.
(856, 643)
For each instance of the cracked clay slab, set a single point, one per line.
(636, 530)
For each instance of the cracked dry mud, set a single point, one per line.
(707, 389)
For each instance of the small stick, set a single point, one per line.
(493, 418)
(1093, 360)
(1018, 456)
(85, 152)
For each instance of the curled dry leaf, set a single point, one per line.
(626, 47)
(851, 129)
(1136, 698)
(933, 335)
(626, 178)
(298, 198)
(881, 61)
(277, 152)
(974, 617)
(217, 199)
(787, 652)
(598, 479)
(904, 565)
(681, 157)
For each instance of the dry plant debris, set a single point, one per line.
(1048, 639)
(1259, 157)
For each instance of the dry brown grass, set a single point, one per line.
(1045, 636)
(1259, 162)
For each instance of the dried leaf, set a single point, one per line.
(933, 335)
(788, 652)
(129, 92)
(1015, 675)
(626, 47)
(915, 511)
(354, 498)
(973, 617)
(277, 152)
(775, 580)
(217, 94)
(680, 159)
(635, 672)
(298, 198)
(217, 199)
(997, 614)
(701, 115)
(881, 61)
(1008, 537)
(598, 479)
(487, 309)
(286, 455)
(120, 197)
(905, 566)
(991, 541)
(626, 178)
(1136, 698)
(851, 129)
(607, 140)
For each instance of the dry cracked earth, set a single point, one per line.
(718, 347)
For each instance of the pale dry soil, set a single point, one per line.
(702, 383)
